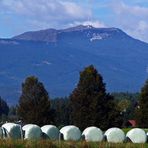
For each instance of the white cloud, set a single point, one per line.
(140, 31)
(95, 23)
(122, 8)
(42, 12)
(132, 18)
(73, 10)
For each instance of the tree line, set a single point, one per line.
(89, 104)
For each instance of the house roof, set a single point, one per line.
(132, 122)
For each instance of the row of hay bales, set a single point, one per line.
(71, 132)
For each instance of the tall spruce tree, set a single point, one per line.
(90, 104)
(34, 103)
(142, 110)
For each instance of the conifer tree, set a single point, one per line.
(62, 110)
(142, 110)
(90, 104)
(4, 108)
(34, 103)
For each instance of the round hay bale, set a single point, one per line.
(12, 130)
(51, 131)
(92, 134)
(137, 135)
(71, 132)
(32, 131)
(114, 135)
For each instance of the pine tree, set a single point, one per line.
(62, 109)
(142, 110)
(90, 104)
(4, 109)
(34, 103)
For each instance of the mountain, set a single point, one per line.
(88, 32)
(48, 35)
(57, 56)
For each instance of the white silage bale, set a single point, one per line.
(93, 134)
(51, 131)
(71, 132)
(137, 135)
(12, 130)
(32, 131)
(114, 135)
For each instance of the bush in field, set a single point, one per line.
(34, 103)
(90, 104)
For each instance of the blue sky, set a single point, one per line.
(18, 16)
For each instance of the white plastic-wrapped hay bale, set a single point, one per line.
(12, 130)
(32, 131)
(114, 135)
(136, 135)
(71, 132)
(93, 134)
(51, 131)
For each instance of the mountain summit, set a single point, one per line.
(57, 56)
(51, 35)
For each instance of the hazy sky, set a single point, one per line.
(17, 16)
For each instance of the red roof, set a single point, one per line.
(132, 122)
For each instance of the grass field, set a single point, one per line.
(9, 143)
(55, 144)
